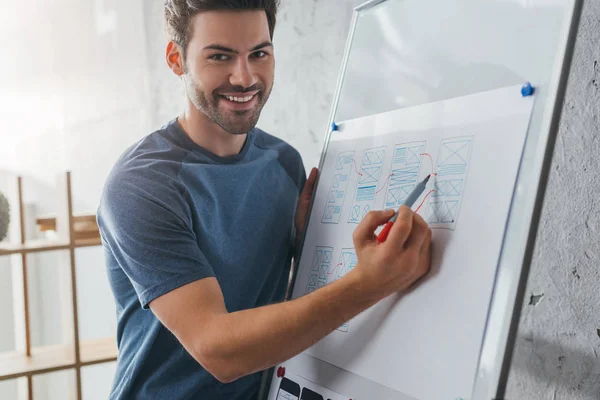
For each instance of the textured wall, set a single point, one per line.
(559, 336)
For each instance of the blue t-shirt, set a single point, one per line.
(172, 213)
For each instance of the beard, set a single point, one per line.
(232, 121)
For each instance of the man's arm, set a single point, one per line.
(232, 345)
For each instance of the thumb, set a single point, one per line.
(365, 231)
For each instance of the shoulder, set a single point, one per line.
(147, 172)
(288, 156)
(268, 141)
(158, 152)
(157, 155)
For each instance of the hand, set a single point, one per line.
(304, 203)
(395, 265)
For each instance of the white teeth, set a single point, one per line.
(239, 99)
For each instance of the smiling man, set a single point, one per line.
(199, 221)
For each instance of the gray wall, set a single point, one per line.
(556, 355)
(559, 335)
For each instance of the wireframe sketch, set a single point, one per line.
(369, 175)
(337, 191)
(405, 172)
(319, 270)
(347, 262)
(452, 167)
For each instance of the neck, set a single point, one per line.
(208, 134)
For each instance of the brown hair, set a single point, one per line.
(179, 14)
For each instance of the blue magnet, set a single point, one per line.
(334, 127)
(527, 90)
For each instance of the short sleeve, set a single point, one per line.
(146, 225)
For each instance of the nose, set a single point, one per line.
(242, 75)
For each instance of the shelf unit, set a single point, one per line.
(40, 360)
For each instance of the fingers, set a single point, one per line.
(418, 234)
(309, 186)
(425, 256)
(365, 231)
(402, 227)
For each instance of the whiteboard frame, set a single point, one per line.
(509, 288)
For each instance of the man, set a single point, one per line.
(199, 221)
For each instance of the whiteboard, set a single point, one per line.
(406, 53)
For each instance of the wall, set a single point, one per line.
(558, 342)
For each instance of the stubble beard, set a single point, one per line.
(237, 122)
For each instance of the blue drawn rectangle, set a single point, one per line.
(400, 155)
(454, 156)
(455, 187)
(337, 190)
(413, 155)
(365, 193)
(444, 204)
(320, 266)
(347, 261)
(397, 195)
(402, 176)
(405, 171)
(448, 188)
(369, 176)
(450, 212)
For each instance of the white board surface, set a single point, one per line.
(474, 144)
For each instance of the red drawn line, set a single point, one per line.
(425, 199)
(384, 183)
(356, 167)
(431, 158)
(335, 269)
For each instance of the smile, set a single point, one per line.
(239, 99)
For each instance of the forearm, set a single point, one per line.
(244, 342)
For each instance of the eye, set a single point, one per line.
(259, 54)
(219, 57)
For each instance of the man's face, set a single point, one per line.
(230, 67)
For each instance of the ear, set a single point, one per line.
(175, 58)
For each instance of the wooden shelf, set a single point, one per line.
(83, 232)
(42, 245)
(98, 351)
(56, 358)
(88, 242)
(33, 246)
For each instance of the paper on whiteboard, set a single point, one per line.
(424, 344)
(294, 387)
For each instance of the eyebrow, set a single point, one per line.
(218, 47)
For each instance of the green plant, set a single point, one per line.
(4, 216)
